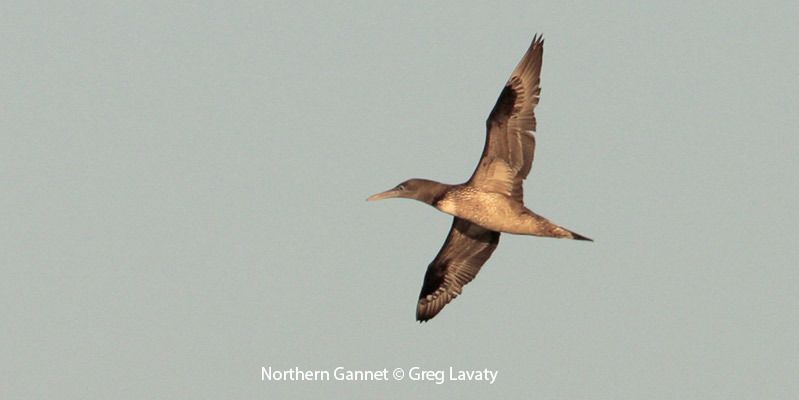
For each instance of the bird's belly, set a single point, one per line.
(491, 211)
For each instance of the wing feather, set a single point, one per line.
(467, 248)
(511, 125)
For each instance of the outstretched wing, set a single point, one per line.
(466, 249)
(510, 144)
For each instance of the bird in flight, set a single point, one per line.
(491, 201)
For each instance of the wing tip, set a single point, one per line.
(425, 316)
(427, 308)
(538, 40)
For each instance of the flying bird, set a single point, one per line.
(491, 201)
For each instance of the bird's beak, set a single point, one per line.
(385, 195)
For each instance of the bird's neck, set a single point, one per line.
(432, 192)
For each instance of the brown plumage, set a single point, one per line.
(491, 201)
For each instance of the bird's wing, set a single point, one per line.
(466, 249)
(510, 144)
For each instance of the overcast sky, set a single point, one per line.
(183, 186)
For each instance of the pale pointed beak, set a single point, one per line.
(385, 195)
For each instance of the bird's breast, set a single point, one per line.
(448, 205)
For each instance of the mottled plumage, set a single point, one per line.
(491, 201)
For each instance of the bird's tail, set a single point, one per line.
(577, 236)
(540, 226)
(549, 229)
(561, 232)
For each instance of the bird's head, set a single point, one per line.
(418, 189)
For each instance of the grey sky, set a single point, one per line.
(184, 184)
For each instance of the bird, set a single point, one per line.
(491, 201)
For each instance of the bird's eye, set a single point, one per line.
(400, 187)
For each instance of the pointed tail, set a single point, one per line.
(544, 227)
(577, 236)
(562, 232)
